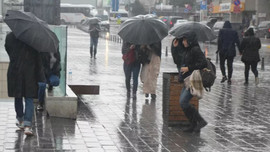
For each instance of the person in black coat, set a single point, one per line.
(94, 30)
(177, 52)
(52, 68)
(193, 59)
(249, 49)
(24, 72)
(227, 38)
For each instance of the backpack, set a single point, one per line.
(208, 75)
(129, 57)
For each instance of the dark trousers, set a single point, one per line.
(132, 69)
(253, 66)
(229, 65)
(93, 45)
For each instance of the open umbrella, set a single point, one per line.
(203, 32)
(32, 31)
(143, 29)
(94, 20)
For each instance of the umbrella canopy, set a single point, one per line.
(32, 31)
(203, 32)
(143, 29)
(94, 20)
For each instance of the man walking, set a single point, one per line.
(94, 30)
(227, 38)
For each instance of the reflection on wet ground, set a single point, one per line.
(237, 115)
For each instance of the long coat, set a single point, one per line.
(249, 48)
(25, 69)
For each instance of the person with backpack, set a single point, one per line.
(227, 38)
(193, 59)
(249, 50)
(94, 30)
(131, 66)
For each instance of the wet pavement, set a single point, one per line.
(237, 115)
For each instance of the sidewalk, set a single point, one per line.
(238, 116)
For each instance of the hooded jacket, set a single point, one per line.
(250, 46)
(193, 57)
(227, 38)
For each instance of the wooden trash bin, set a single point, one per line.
(172, 112)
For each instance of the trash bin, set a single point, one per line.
(172, 112)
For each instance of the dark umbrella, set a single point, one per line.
(203, 32)
(32, 31)
(143, 29)
(94, 20)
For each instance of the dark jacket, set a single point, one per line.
(193, 57)
(249, 47)
(94, 30)
(56, 68)
(177, 53)
(227, 38)
(126, 49)
(25, 68)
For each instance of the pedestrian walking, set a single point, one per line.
(193, 59)
(249, 50)
(177, 50)
(131, 67)
(150, 58)
(24, 72)
(94, 30)
(227, 39)
(52, 68)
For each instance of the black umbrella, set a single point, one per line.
(143, 29)
(32, 31)
(94, 20)
(203, 32)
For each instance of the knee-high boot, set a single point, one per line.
(91, 52)
(189, 112)
(199, 120)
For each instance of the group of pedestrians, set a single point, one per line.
(248, 48)
(144, 58)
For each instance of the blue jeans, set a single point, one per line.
(93, 45)
(132, 69)
(185, 97)
(27, 114)
(41, 91)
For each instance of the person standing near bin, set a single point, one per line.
(94, 30)
(193, 59)
(24, 72)
(150, 57)
(249, 49)
(227, 38)
(131, 67)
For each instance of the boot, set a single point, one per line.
(200, 121)
(224, 78)
(192, 120)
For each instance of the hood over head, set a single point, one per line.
(249, 32)
(191, 38)
(227, 24)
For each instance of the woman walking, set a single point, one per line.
(249, 49)
(193, 59)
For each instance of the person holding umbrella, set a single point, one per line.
(150, 59)
(131, 66)
(193, 59)
(24, 72)
(94, 29)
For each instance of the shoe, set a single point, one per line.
(229, 81)
(50, 88)
(224, 78)
(19, 124)
(153, 96)
(202, 123)
(28, 131)
(146, 95)
(40, 107)
(256, 80)
(246, 83)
